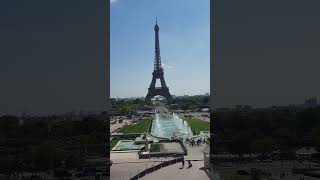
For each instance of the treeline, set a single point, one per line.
(127, 107)
(192, 102)
(12, 127)
(39, 144)
(266, 130)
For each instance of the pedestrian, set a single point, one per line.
(182, 162)
(189, 163)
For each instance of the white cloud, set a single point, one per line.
(167, 66)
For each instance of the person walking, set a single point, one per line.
(182, 162)
(189, 163)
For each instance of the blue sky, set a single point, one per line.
(184, 45)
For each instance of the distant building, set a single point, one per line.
(157, 98)
(311, 102)
(205, 110)
(174, 107)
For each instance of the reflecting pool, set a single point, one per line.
(170, 125)
(124, 145)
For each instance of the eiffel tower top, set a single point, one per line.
(156, 27)
(157, 57)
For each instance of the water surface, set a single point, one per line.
(169, 126)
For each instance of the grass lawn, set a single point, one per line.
(114, 142)
(197, 125)
(140, 127)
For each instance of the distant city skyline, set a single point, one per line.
(184, 46)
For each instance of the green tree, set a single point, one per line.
(74, 160)
(47, 155)
(240, 144)
(262, 146)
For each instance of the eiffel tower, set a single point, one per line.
(158, 74)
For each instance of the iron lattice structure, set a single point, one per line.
(158, 73)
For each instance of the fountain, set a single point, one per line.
(169, 126)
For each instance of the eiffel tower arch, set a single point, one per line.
(158, 74)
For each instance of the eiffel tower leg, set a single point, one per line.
(153, 82)
(148, 97)
(163, 83)
(168, 96)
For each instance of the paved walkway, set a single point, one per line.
(195, 152)
(116, 126)
(173, 172)
(126, 170)
(167, 147)
(199, 116)
(128, 164)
